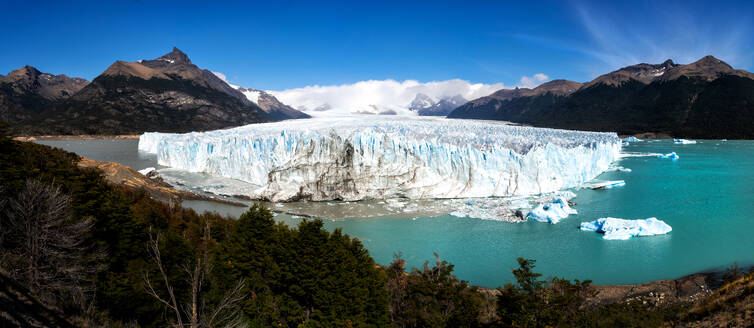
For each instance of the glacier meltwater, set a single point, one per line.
(379, 157)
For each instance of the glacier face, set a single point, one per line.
(378, 157)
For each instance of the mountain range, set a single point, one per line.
(427, 106)
(704, 99)
(168, 94)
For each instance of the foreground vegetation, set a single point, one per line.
(101, 255)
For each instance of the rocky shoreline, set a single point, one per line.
(76, 137)
(122, 175)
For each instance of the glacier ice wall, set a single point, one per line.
(364, 157)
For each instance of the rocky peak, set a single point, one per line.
(29, 80)
(421, 101)
(644, 73)
(25, 74)
(707, 68)
(176, 57)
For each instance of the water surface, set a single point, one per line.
(706, 196)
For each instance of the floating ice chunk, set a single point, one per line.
(551, 212)
(684, 142)
(607, 184)
(724, 140)
(376, 158)
(622, 229)
(632, 139)
(672, 155)
(147, 171)
(622, 169)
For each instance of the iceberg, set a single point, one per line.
(622, 229)
(672, 155)
(551, 212)
(607, 184)
(684, 142)
(631, 139)
(379, 157)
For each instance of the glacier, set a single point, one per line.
(622, 229)
(377, 157)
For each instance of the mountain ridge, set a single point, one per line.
(167, 94)
(703, 99)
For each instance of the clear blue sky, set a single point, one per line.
(280, 44)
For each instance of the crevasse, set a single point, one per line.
(365, 157)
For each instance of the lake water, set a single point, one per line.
(707, 196)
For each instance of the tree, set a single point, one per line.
(535, 303)
(431, 296)
(45, 248)
(195, 310)
(305, 277)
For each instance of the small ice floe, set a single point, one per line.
(632, 139)
(619, 169)
(672, 155)
(684, 142)
(602, 185)
(149, 172)
(551, 212)
(622, 229)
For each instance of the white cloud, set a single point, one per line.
(533, 81)
(377, 95)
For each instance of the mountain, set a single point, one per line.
(272, 107)
(26, 92)
(167, 94)
(704, 99)
(427, 106)
(511, 104)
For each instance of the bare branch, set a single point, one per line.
(154, 249)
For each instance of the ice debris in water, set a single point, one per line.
(622, 229)
(365, 157)
(684, 141)
(148, 170)
(551, 212)
(632, 139)
(672, 155)
(619, 169)
(607, 184)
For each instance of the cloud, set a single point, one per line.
(653, 32)
(377, 95)
(533, 81)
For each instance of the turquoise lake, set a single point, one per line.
(707, 196)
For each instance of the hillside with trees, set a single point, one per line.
(77, 251)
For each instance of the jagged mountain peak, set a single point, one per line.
(176, 57)
(644, 73)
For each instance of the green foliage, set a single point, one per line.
(432, 297)
(304, 277)
(122, 221)
(538, 303)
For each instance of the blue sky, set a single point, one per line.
(277, 45)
